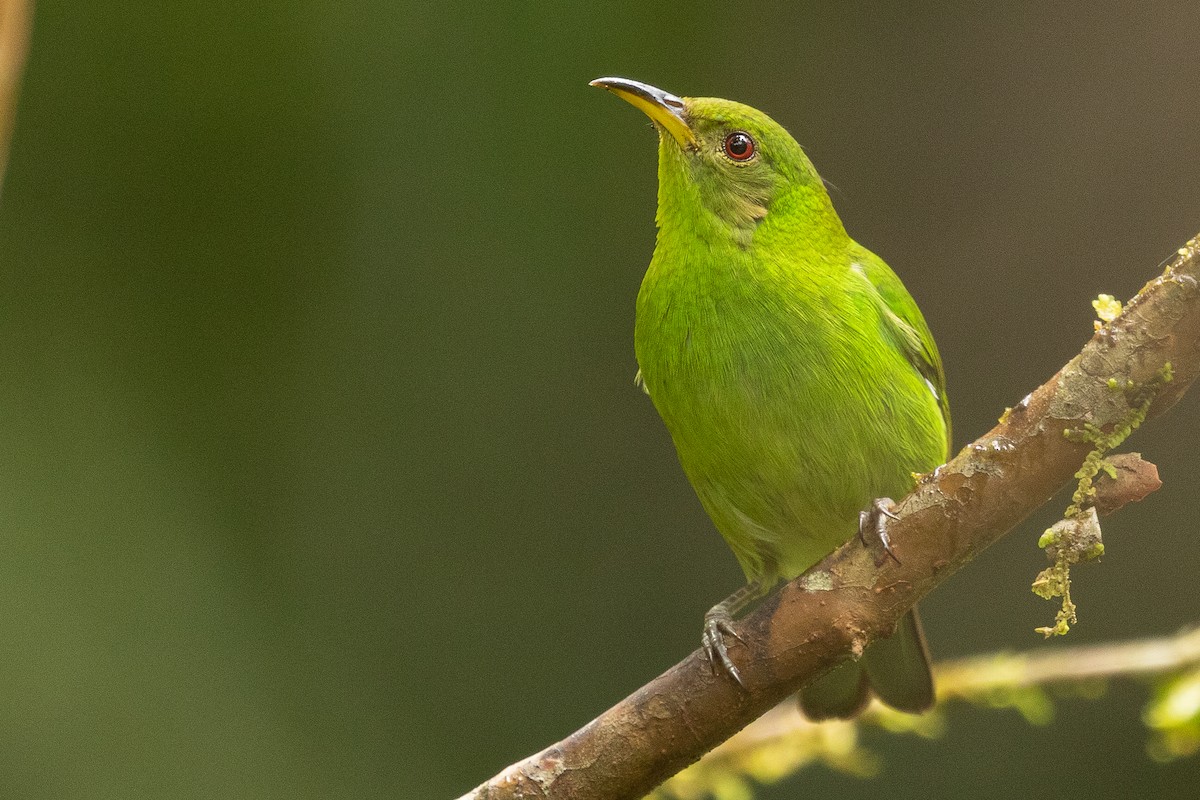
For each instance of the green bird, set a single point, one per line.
(794, 371)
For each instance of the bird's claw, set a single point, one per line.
(717, 625)
(874, 520)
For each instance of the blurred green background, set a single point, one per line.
(323, 470)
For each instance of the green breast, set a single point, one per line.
(790, 407)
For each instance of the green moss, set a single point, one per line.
(1139, 398)
(1107, 307)
(1076, 537)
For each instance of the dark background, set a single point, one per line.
(323, 473)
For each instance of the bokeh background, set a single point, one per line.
(323, 473)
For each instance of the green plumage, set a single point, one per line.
(794, 372)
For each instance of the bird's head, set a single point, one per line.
(726, 160)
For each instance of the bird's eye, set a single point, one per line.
(739, 146)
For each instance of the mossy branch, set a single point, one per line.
(847, 601)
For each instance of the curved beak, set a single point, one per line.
(665, 109)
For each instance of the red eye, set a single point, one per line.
(739, 146)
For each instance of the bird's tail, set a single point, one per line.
(895, 669)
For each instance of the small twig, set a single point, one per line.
(1129, 480)
(973, 678)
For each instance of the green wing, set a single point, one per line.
(907, 325)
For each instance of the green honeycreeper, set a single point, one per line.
(794, 371)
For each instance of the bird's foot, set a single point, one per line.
(718, 623)
(874, 521)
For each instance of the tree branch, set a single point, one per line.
(1142, 360)
(974, 678)
(782, 741)
(16, 19)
